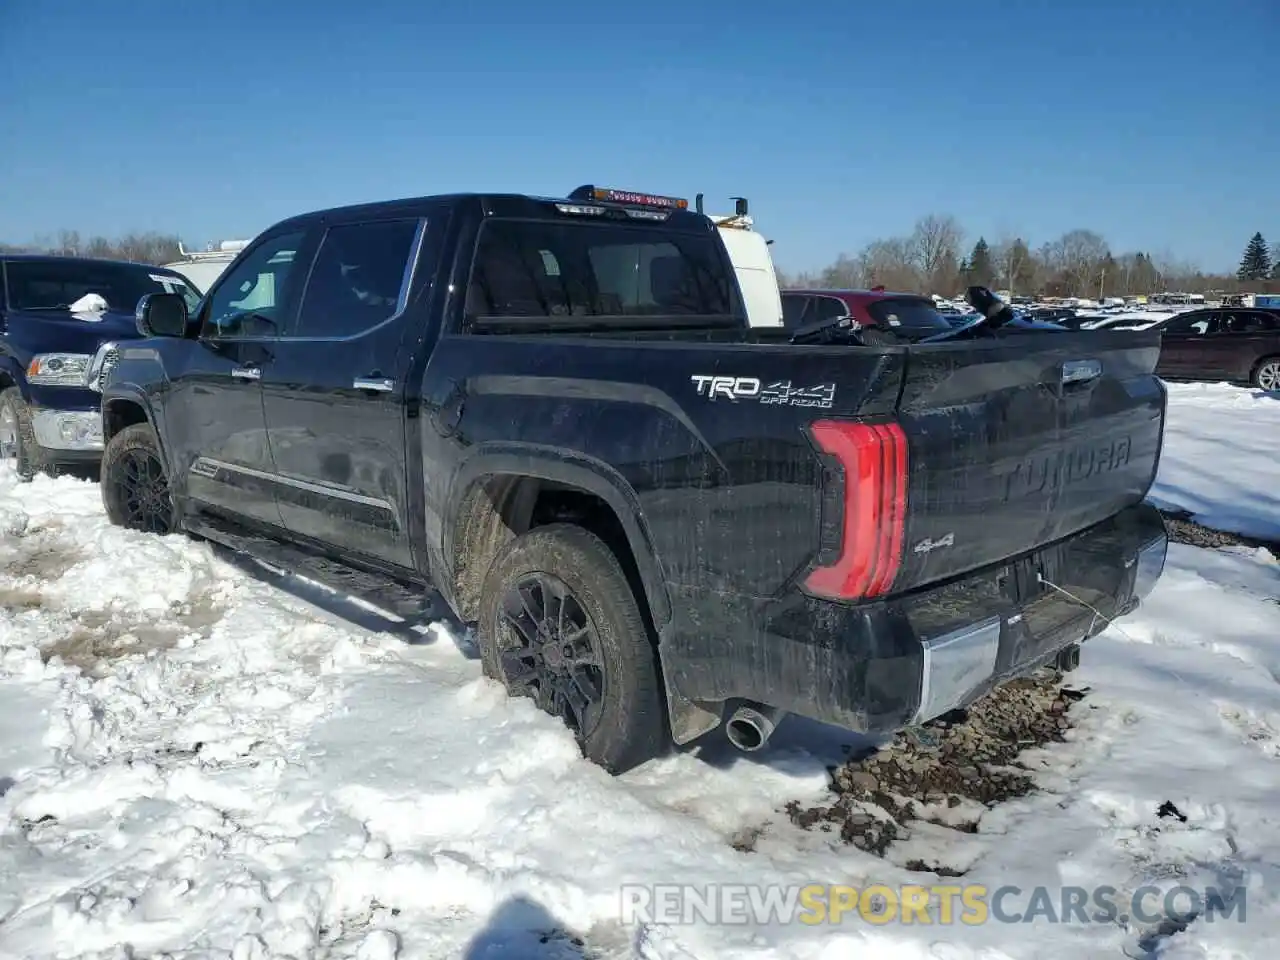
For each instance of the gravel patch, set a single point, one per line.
(947, 772)
(1183, 529)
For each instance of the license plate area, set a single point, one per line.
(1027, 580)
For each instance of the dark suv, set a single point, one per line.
(553, 413)
(1235, 344)
(52, 357)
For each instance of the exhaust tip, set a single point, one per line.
(745, 735)
(750, 727)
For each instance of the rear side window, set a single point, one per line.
(357, 279)
(793, 305)
(528, 268)
(908, 314)
(1250, 323)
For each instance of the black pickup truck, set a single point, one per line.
(553, 413)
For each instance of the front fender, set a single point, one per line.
(134, 396)
(12, 370)
(572, 469)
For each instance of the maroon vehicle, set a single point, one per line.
(894, 316)
(1235, 344)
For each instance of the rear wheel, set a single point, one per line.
(135, 484)
(1266, 376)
(19, 454)
(560, 624)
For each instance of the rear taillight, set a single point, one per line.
(874, 461)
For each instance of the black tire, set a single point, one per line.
(27, 459)
(1265, 373)
(135, 484)
(628, 724)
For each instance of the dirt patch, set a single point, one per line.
(45, 562)
(16, 599)
(947, 772)
(97, 637)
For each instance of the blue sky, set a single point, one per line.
(1155, 122)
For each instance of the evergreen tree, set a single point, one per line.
(981, 270)
(1256, 262)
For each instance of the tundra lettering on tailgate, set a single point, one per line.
(1066, 467)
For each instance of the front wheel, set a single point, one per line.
(135, 485)
(559, 623)
(19, 453)
(1267, 375)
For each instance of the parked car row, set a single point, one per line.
(552, 419)
(1233, 344)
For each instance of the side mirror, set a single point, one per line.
(161, 315)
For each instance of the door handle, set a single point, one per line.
(247, 373)
(375, 384)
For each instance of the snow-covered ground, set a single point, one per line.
(1220, 458)
(238, 771)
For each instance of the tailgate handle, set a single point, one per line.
(1076, 372)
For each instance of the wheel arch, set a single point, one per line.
(503, 491)
(125, 408)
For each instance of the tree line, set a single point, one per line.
(935, 258)
(153, 248)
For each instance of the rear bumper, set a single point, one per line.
(878, 667)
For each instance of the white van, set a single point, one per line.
(749, 254)
(202, 267)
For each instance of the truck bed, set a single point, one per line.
(1000, 451)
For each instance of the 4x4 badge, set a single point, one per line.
(925, 545)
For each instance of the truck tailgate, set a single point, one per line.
(1016, 442)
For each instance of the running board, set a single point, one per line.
(414, 603)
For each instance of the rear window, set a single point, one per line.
(56, 285)
(908, 315)
(526, 268)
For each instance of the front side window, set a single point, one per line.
(356, 281)
(1193, 325)
(249, 300)
(549, 269)
(56, 285)
(793, 307)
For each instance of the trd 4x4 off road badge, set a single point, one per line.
(779, 392)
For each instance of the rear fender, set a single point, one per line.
(687, 718)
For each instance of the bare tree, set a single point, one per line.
(845, 274)
(68, 243)
(151, 247)
(1015, 265)
(1076, 259)
(890, 263)
(934, 245)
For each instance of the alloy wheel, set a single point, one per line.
(144, 491)
(552, 652)
(1269, 375)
